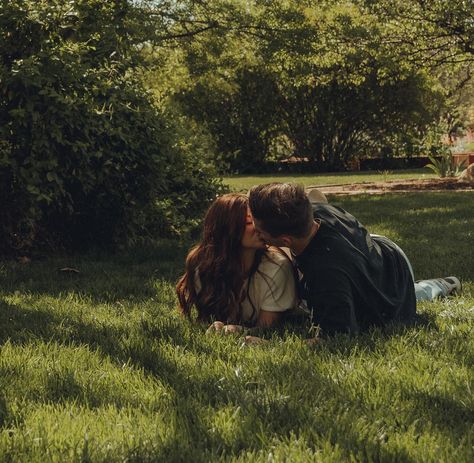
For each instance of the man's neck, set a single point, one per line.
(299, 244)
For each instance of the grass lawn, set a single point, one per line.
(243, 182)
(98, 366)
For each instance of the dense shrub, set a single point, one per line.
(85, 157)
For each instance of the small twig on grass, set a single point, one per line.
(68, 270)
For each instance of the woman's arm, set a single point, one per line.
(266, 318)
(221, 327)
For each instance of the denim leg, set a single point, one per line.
(428, 290)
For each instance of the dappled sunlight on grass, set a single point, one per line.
(99, 365)
(426, 226)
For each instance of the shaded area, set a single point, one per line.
(102, 277)
(434, 230)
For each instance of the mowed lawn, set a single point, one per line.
(244, 182)
(98, 366)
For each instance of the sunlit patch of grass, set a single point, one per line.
(244, 182)
(99, 366)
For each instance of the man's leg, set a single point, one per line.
(428, 290)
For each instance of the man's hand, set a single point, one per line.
(313, 341)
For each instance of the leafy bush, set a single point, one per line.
(85, 157)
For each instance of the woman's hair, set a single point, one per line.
(217, 259)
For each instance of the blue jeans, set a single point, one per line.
(425, 290)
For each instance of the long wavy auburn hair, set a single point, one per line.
(218, 261)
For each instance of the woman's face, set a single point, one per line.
(251, 239)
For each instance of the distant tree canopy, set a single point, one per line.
(431, 32)
(114, 114)
(325, 80)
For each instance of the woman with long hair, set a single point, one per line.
(231, 276)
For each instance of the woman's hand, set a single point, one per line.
(219, 327)
(254, 341)
(231, 329)
(216, 327)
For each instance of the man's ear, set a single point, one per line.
(286, 240)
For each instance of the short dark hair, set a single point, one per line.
(282, 209)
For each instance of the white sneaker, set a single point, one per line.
(454, 285)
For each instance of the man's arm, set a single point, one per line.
(331, 302)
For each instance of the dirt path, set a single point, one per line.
(396, 186)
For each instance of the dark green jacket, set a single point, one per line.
(351, 280)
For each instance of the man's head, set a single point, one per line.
(281, 212)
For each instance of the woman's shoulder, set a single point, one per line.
(275, 259)
(277, 273)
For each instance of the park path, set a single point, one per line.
(395, 186)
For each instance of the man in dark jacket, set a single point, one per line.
(351, 280)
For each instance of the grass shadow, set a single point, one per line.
(424, 226)
(105, 278)
(445, 413)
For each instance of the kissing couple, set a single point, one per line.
(274, 253)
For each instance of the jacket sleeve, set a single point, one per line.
(331, 302)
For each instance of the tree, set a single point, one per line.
(429, 32)
(331, 124)
(344, 96)
(309, 72)
(240, 114)
(438, 35)
(336, 79)
(220, 83)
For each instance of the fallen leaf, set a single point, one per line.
(68, 270)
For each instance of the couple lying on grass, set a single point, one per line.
(274, 253)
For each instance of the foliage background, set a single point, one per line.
(116, 117)
(86, 156)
